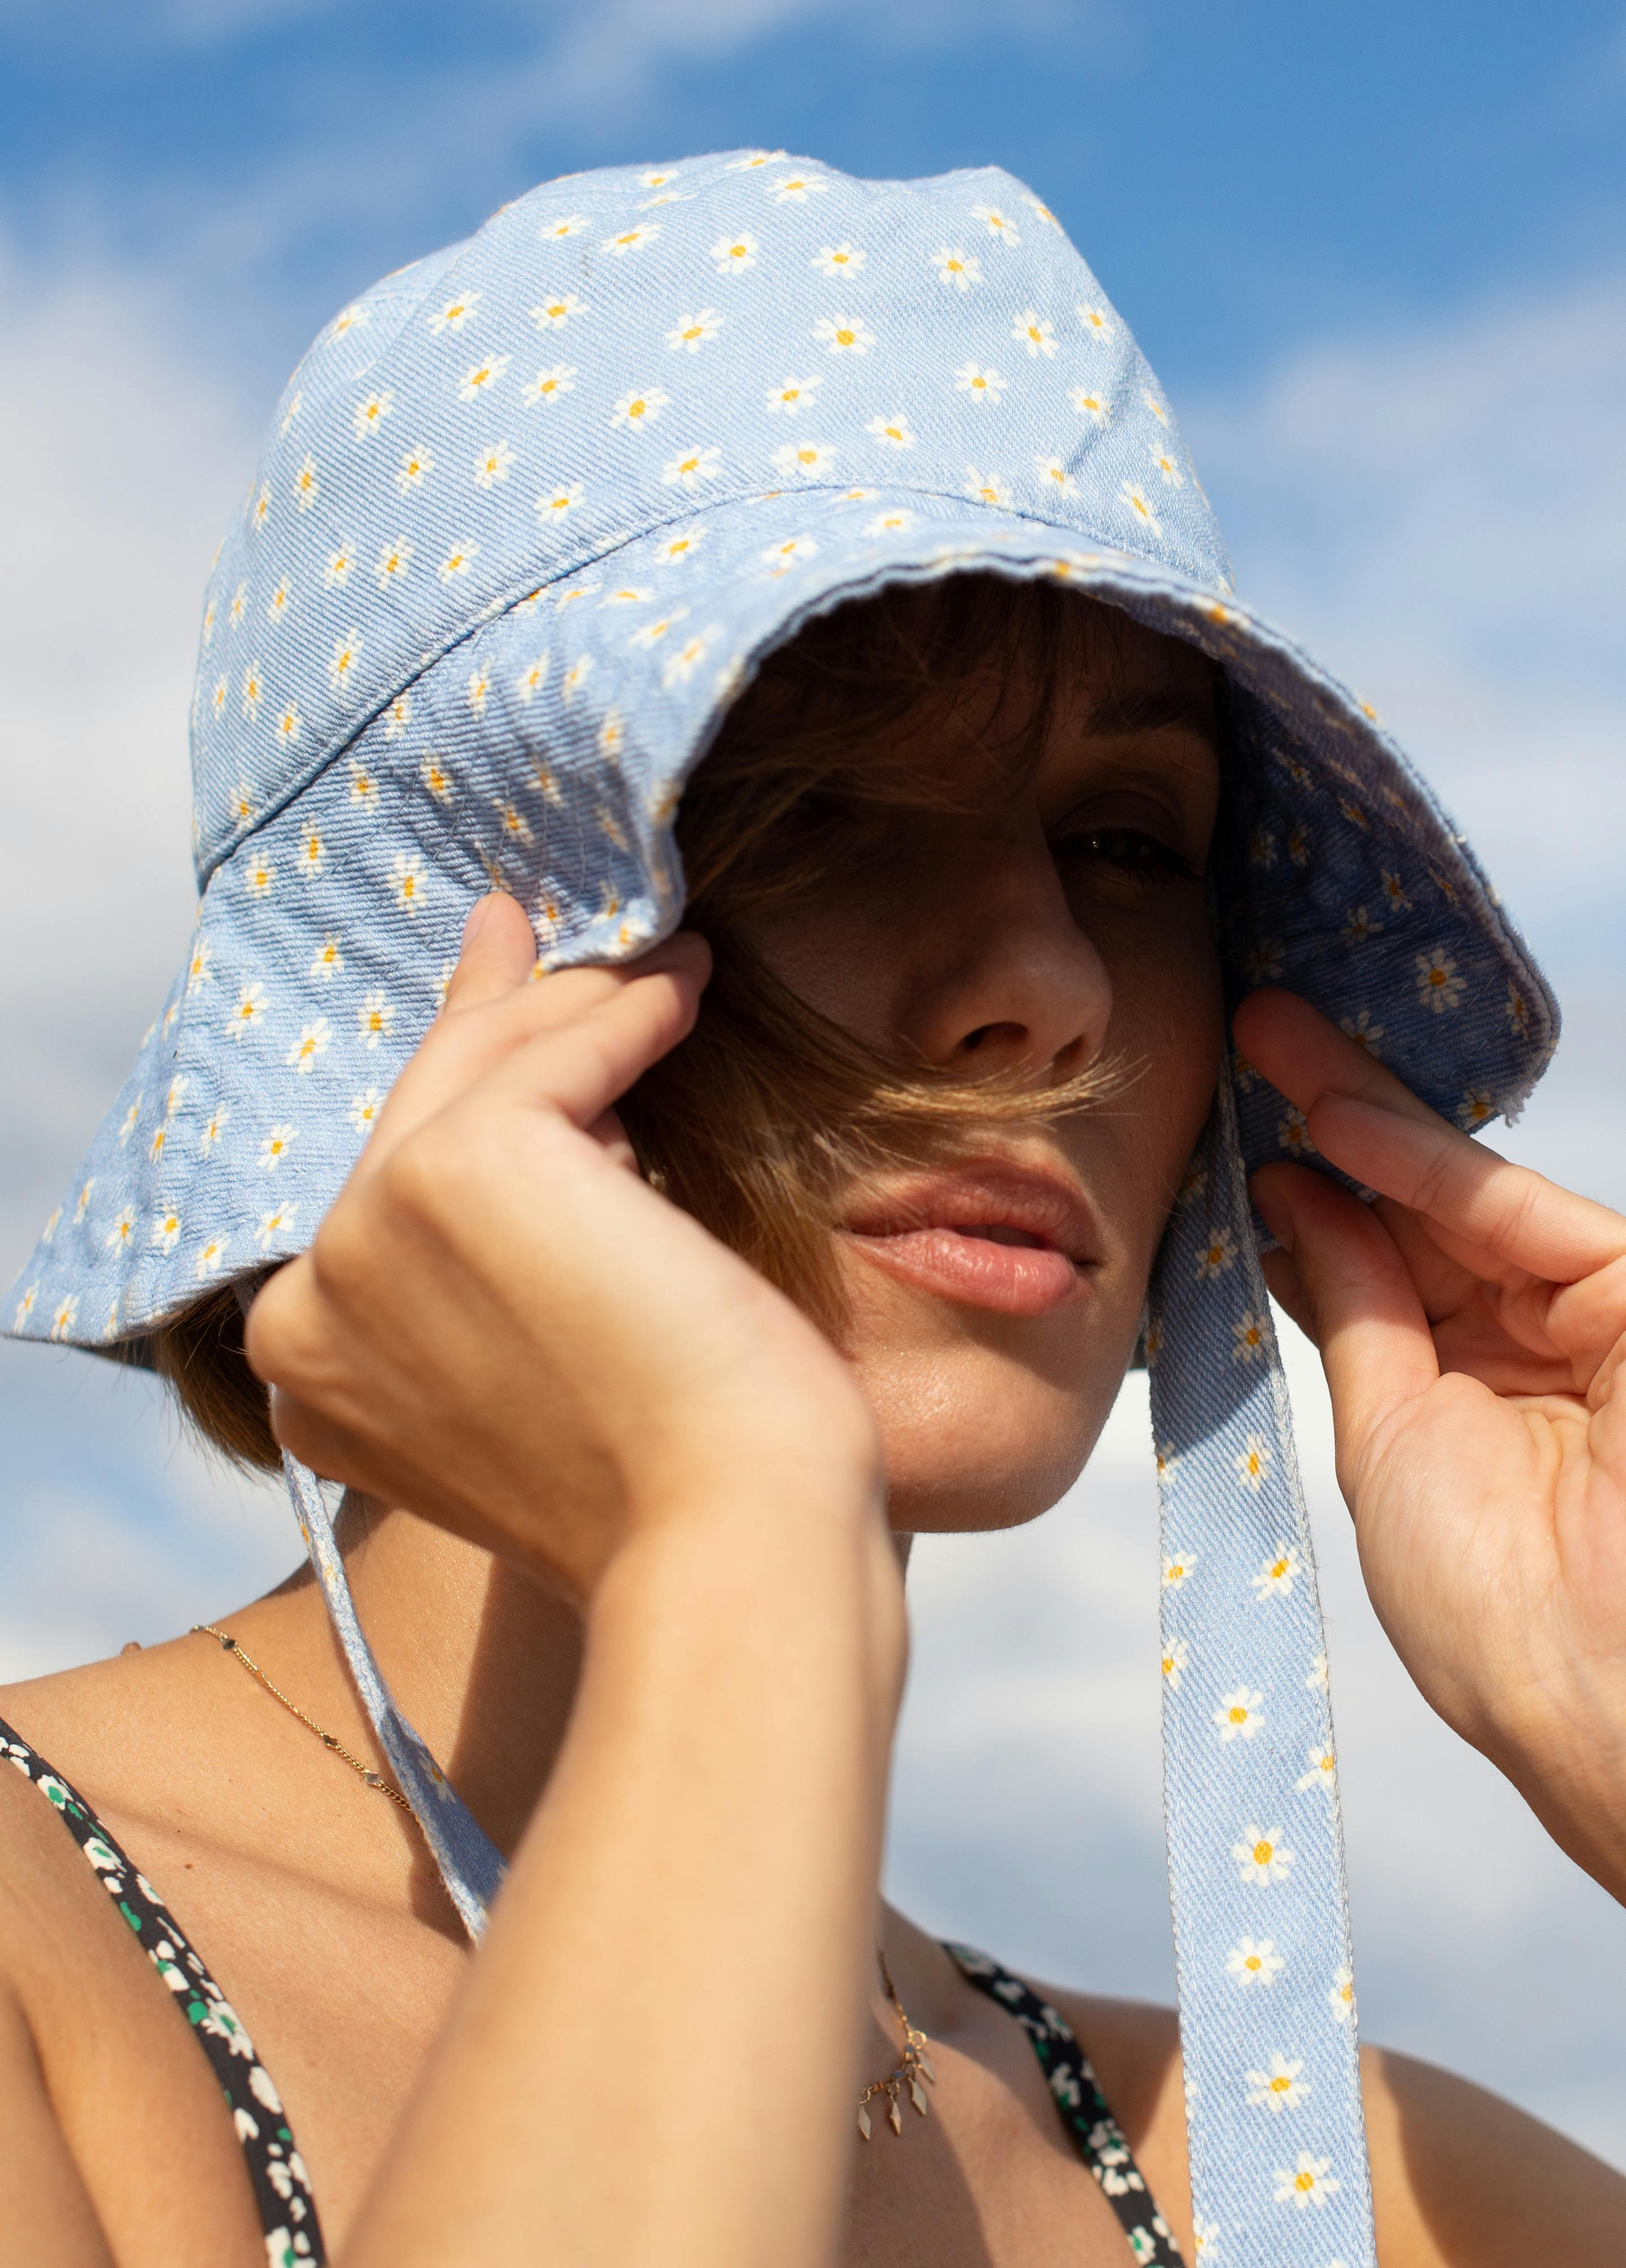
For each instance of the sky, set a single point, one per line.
(1376, 258)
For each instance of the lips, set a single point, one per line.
(1019, 1241)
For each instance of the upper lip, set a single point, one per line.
(1042, 1201)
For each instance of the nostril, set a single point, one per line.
(1015, 1037)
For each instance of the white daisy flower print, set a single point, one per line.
(1216, 1256)
(1254, 1961)
(1276, 1579)
(1476, 1109)
(1439, 987)
(258, 877)
(1309, 2180)
(556, 503)
(1176, 1658)
(550, 385)
(435, 777)
(1260, 1856)
(652, 633)
(513, 821)
(261, 507)
(1358, 926)
(253, 692)
(638, 409)
(889, 523)
(475, 384)
(493, 465)
(1252, 1463)
(214, 1126)
(656, 180)
(165, 1230)
(1165, 1456)
(1341, 1995)
(1167, 464)
(987, 488)
(796, 189)
(373, 1020)
(363, 1111)
(305, 485)
(1240, 1714)
(836, 261)
(531, 679)
(1156, 408)
(277, 605)
(457, 561)
(1320, 1771)
(632, 240)
(123, 1229)
(251, 1009)
(412, 470)
(844, 334)
(693, 467)
(452, 313)
(198, 969)
(893, 432)
(275, 1147)
(678, 549)
(734, 254)
(25, 1305)
(1363, 1031)
(554, 314)
(612, 741)
(1177, 1569)
(1135, 502)
(568, 224)
(406, 881)
(795, 551)
(240, 600)
(1247, 1337)
(687, 659)
(792, 394)
(343, 658)
(313, 1041)
(1278, 2089)
(84, 1204)
(805, 460)
(337, 571)
(1035, 332)
(1316, 1676)
(754, 161)
(311, 855)
(1292, 1133)
(1054, 473)
(66, 1315)
(476, 690)
(370, 413)
(209, 1257)
(997, 221)
(327, 961)
(979, 382)
(626, 594)
(1096, 323)
(364, 788)
(690, 333)
(960, 270)
(575, 677)
(273, 1225)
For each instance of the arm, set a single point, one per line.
(45, 2208)
(503, 1329)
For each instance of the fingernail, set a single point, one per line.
(1273, 1209)
(472, 927)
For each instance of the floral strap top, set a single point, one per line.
(1077, 2095)
(282, 2187)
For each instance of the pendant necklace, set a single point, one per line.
(912, 2067)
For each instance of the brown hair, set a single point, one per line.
(752, 1124)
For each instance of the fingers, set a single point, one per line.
(583, 1068)
(1365, 1121)
(497, 955)
(1349, 1290)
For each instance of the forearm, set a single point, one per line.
(653, 2059)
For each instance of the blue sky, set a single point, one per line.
(1241, 176)
(1379, 258)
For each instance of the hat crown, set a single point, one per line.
(619, 350)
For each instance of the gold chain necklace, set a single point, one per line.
(329, 1739)
(913, 2065)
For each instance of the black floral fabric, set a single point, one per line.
(1078, 2097)
(281, 2185)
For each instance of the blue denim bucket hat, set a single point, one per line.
(530, 513)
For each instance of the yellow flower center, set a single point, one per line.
(1262, 1854)
(1238, 1716)
(1279, 1568)
(1252, 1960)
(1280, 2084)
(1305, 2181)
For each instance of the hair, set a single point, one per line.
(757, 1120)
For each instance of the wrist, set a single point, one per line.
(1560, 1737)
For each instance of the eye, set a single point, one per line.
(1128, 850)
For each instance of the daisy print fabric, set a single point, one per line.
(529, 514)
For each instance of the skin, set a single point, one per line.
(666, 1675)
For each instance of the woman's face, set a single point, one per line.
(994, 1304)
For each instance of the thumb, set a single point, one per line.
(1365, 1312)
(498, 953)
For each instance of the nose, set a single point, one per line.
(1010, 982)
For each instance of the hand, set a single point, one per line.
(500, 1325)
(1472, 1322)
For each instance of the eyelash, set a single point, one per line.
(1149, 862)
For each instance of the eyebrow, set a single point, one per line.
(1119, 716)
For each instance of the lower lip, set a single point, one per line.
(1012, 1279)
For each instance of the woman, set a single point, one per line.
(638, 1308)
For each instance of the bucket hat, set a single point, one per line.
(531, 511)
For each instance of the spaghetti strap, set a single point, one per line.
(281, 2185)
(1077, 2095)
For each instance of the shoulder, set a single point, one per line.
(1461, 2178)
